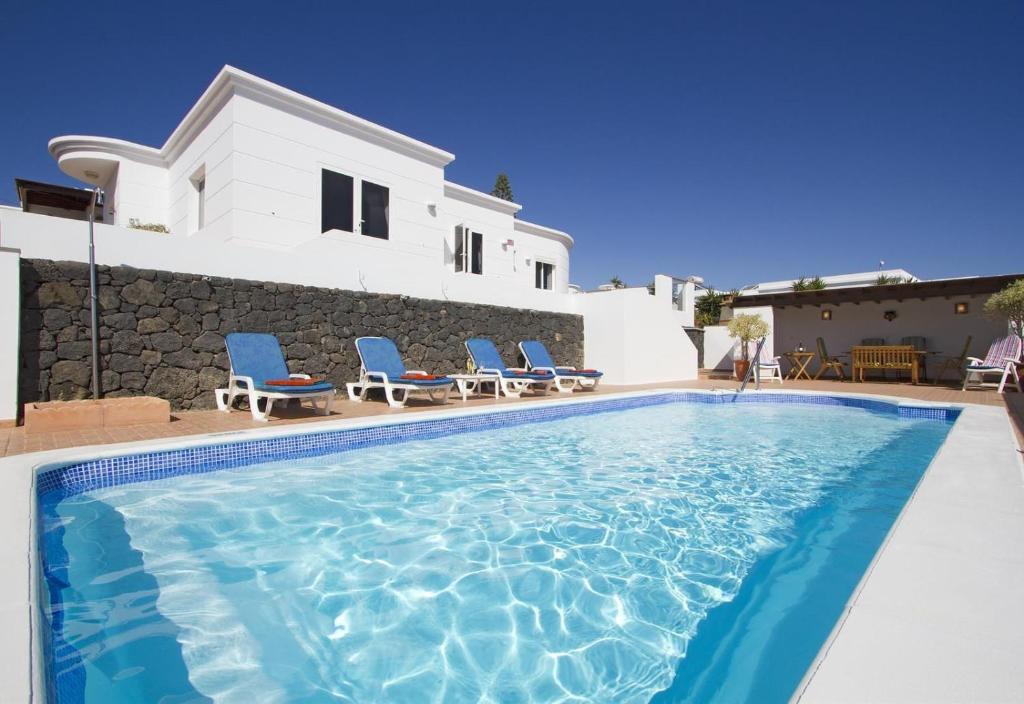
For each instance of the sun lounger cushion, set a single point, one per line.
(589, 373)
(291, 382)
(420, 381)
(537, 356)
(320, 386)
(533, 376)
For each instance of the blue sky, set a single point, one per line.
(739, 141)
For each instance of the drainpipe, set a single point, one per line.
(97, 196)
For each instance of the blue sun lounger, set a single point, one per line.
(567, 379)
(513, 381)
(257, 364)
(381, 367)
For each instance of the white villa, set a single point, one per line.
(259, 182)
(255, 167)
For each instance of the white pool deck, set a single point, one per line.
(938, 617)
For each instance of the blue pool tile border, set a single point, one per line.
(81, 477)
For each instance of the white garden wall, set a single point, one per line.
(718, 348)
(634, 338)
(10, 313)
(355, 263)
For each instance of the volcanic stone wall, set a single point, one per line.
(162, 333)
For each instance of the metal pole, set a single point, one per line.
(94, 299)
(751, 369)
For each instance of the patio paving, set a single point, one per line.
(14, 441)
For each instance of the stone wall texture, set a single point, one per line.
(162, 333)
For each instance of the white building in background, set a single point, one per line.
(259, 182)
(862, 278)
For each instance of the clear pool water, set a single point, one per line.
(670, 553)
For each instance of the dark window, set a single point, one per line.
(335, 201)
(375, 210)
(477, 257)
(545, 275)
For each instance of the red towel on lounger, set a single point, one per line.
(291, 382)
(421, 377)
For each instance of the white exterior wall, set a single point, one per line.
(140, 193)
(10, 315)
(320, 262)
(932, 318)
(718, 348)
(635, 339)
(631, 335)
(278, 157)
(211, 151)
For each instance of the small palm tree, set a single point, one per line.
(617, 282)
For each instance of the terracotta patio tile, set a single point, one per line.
(16, 441)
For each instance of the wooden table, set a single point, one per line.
(799, 361)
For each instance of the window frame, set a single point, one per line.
(196, 220)
(361, 215)
(357, 201)
(538, 267)
(324, 169)
(464, 261)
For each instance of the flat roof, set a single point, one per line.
(967, 286)
(51, 195)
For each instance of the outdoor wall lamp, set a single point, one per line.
(960, 308)
(826, 315)
(889, 315)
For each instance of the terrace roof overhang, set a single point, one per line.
(52, 195)
(938, 288)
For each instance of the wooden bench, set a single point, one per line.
(885, 357)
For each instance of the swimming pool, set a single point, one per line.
(674, 547)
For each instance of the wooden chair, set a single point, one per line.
(920, 345)
(828, 363)
(957, 363)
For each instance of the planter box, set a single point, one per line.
(54, 416)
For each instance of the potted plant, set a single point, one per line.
(1009, 304)
(746, 327)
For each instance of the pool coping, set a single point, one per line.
(23, 669)
(904, 634)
